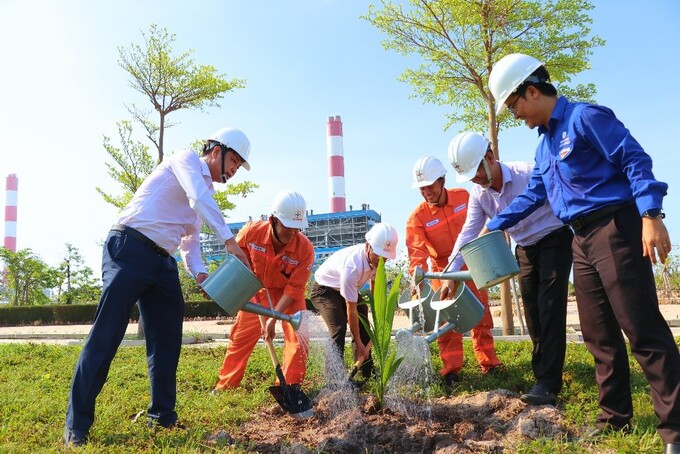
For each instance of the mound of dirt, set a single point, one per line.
(485, 422)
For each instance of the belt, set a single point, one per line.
(139, 236)
(554, 233)
(587, 219)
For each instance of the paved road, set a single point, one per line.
(217, 330)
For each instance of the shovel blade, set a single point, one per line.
(293, 401)
(277, 393)
(299, 403)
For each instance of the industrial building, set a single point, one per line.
(328, 232)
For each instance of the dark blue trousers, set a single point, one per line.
(131, 272)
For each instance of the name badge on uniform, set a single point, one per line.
(432, 222)
(459, 208)
(257, 247)
(565, 146)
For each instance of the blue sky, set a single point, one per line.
(303, 60)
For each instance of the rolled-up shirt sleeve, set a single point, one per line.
(190, 250)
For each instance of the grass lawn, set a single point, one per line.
(35, 380)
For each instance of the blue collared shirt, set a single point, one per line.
(586, 160)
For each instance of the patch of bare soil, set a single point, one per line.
(485, 422)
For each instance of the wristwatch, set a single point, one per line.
(654, 213)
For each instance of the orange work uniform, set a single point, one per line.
(431, 232)
(285, 273)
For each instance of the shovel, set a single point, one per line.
(359, 362)
(294, 401)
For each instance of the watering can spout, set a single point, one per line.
(294, 319)
(419, 275)
(445, 328)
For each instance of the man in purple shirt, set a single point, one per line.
(543, 252)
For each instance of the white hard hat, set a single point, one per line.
(466, 151)
(383, 239)
(508, 74)
(426, 171)
(290, 208)
(234, 139)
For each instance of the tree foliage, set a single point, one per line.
(458, 42)
(76, 282)
(131, 164)
(27, 279)
(169, 82)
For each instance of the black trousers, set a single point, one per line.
(544, 284)
(333, 309)
(615, 291)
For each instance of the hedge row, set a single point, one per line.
(65, 314)
(78, 314)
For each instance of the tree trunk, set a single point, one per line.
(506, 310)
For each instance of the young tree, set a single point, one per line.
(132, 163)
(76, 280)
(458, 42)
(27, 278)
(169, 82)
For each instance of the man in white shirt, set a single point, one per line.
(335, 292)
(165, 214)
(543, 252)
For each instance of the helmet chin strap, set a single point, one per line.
(275, 221)
(224, 174)
(489, 178)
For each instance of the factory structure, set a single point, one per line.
(330, 231)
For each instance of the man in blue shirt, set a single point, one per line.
(599, 180)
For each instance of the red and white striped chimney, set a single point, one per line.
(11, 212)
(336, 164)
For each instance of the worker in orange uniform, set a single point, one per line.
(281, 258)
(431, 232)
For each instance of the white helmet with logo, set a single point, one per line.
(508, 74)
(290, 208)
(426, 171)
(466, 151)
(383, 239)
(236, 140)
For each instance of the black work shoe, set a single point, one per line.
(73, 439)
(153, 423)
(538, 395)
(494, 370)
(603, 429)
(449, 381)
(671, 448)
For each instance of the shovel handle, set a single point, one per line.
(360, 360)
(272, 352)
